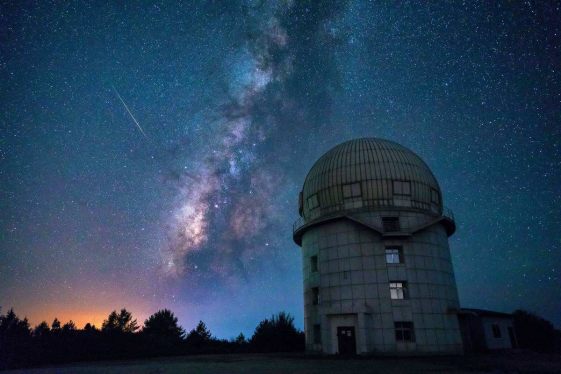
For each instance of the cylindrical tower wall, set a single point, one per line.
(353, 277)
(378, 276)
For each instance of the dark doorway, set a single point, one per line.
(347, 340)
(512, 338)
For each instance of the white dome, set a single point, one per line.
(369, 172)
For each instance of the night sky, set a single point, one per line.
(192, 208)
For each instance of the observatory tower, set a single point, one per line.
(378, 277)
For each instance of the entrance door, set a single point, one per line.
(347, 340)
(512, 338)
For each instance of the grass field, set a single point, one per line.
(514, 362)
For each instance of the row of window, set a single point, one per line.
(404, 332)
(394, 255)
(400, 188)
(398, 291)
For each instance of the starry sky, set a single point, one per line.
(187, 201)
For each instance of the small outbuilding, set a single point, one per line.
(484, 330)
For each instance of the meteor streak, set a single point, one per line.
(126, 107)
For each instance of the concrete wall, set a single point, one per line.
(354, 278)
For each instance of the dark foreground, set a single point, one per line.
(513, 362)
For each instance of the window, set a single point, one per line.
(314, 264)
(435, 198)
(390, 223)
(317, 334)
(404, 331)
(394, 255)
(313, 202)
(496, 331)
(401, 188)
(398, 290)
(351, 190)
(315, 296)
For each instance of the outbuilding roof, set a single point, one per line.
(484, 313)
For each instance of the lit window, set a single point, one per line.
(315, 296)
(313, 202)
(398, 290)
(496, 331)
(390, 223)
(314, 264)
(351, 190)
(317, 334)
(393, 255)
(404, 331)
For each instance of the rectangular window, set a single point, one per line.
(402, 188)
(313, 202)
(496, 331)
(314, 264)
(351, 190)
(394, 255)
(390, 224)
(315, 296)
(435, 197)
(398, 290)
(404, 331)
(317, 334)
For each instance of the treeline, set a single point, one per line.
(120, 337)
(536, 333)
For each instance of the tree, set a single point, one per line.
(12, 326)
(278, 335)
(15, 339)
(56, 325)
(42, 330)
(163, 324)
(90, 327)
(240, 339)
(69, 326)
(199, 335)
(534, 332)
(121, 322)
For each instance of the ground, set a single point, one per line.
(512, 362)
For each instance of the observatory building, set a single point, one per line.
(378, 277)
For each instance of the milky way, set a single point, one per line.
(238, 99)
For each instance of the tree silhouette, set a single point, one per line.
(240, 339)
(161, 336)
(121, 322)
(15, 338)
(42, 330)
(163, 324)
(12, 326)
(199, 336)
(278, 335)
(533, 332)
(69, 326)
(90, 327)
(56, 325)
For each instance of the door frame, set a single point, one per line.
(512, 336)
(353, 336)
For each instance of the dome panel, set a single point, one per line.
(370, 172)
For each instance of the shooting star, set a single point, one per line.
(127, 108)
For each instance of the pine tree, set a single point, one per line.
(56, 325)
(42, 330)
(69, 326)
